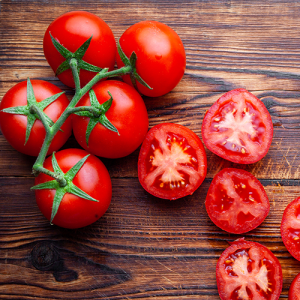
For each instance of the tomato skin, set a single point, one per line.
(93, 178)
(238, 127)
(294, 290)
(242, 266)
(71, 30)
(127, 113)
(290, 228)
(160, 54)
(236, 201)
(171, 154)
(13, 126)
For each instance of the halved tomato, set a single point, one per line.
(294, 291)
(172, 161)
(236, 201)
(238, 127)
(248, 270)
(290, 228)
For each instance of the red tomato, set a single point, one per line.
(93, 179)
(236, 201)
(290, 228)
(13, 126)
(73, 29)
(172, 161)
(294, 291)
(248, 270)
(127, 113)
(238, 127)
(160, 56)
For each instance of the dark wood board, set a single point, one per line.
(145, 247)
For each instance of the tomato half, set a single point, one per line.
(127, 113)
(160, 56)
(92, 178)
(236, 201)
(294, 291)
(172, 161)
(71, 30)
(238, 127)
(13, 126)
(248, 270)
(290, 228)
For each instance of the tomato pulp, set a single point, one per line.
(172, 161)
(238, 127)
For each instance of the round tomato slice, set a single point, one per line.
(172, 161)
(238, 127)
(294, 291)
(290, 228)
(248, 270)
(236, 201)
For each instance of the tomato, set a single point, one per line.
(238, 127)
(236, 201)
(248, 270)
(294, 290)
(13, 126)
(71, 30)
(92, 178)
(290, 228)
(172, 161)
(160, 56)
(127, 113)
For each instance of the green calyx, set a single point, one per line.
(97, 114)
(33, 110)
(63, 184)
(78, 55)
(134, 76)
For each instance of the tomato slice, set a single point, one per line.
(294, 291)
(236, 201)
(290, 228)
(172, 161)
(238, 127)
(248, 270)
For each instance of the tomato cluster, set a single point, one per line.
(73, 187)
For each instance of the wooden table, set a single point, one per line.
(143, 246)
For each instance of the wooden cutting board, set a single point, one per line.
(143, 246)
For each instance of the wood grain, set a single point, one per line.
(144, 247)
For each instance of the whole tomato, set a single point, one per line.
(13, 126)
(160, 55)
(128, 114)
(71, 30)
(92, 179)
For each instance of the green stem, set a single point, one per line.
(39, 112)
(51, 131)
(95, 112)
(60, 179)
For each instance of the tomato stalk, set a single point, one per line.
(52, 130)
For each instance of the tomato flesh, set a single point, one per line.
(236, 201)
(294, 291)
(290, 228)
(172, 161)
(248, 270)
(238, 127)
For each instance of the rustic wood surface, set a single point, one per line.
(145, 247)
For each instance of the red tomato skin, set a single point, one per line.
(242, 244)
(13, 126)
(192, 139)
(262, 147)
(71, 30)
(127, 113)
(293, 245)
(93, 178)
(294, 290)
(251, 184)
(161, 59)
